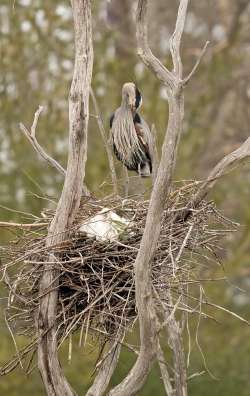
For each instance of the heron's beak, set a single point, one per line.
(131, 103)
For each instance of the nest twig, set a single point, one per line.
(96, 290)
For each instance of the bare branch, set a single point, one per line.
(144, 301)
(36, 117)
(31, 136)
(230, 160)
(126, 182)
(155, 155)
(174, 333)
(106, 143)
(106, 370)
(164, 372)
(22, 225)
(175, 41)
(48, 363)
(143, 49)
(197, 64)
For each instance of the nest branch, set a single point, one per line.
(95, 280)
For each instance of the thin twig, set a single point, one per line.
(106, 142)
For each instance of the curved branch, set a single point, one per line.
(230, 160)
(48, 363)
(197, 64)
(31, 136)
(105, 141)
(144, 300)
(105, 372)
(143, 49)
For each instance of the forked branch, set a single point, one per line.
(144, 300)
(31, 136)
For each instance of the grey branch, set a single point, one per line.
(229, 161)
(54, 381)
(106, 143)
(106, 370)
(135, 379)
(164, 372)
(143, 49)
(21, 225)
(31, 136)
(200, 57)
(175, 41)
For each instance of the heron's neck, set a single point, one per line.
(124, 104)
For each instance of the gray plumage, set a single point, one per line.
(132, 140)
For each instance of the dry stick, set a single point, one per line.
(174, 333)
(31, 136)
(164, 372)
(22, 225)
(107, 368)
(106, 143)
(144, 300)
(223, 166)
(126, 182)
(199, 59)
(48, 363)
(230, 160)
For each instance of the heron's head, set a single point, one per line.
(131, 96)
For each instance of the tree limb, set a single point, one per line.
(106, 370)
(106, 143)
(48, 363)
(230, 160)
(143, 49)
(199, 59)
(223, 166)
(31, 136)
(144, 301)
(164, 372)
(22, 225)
(174, 334)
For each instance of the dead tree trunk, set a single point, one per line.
(49, 366)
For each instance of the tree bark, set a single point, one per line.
(144, 300)
(54, 381)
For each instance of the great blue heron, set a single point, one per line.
(131, 136)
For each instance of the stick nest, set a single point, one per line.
(96, 285)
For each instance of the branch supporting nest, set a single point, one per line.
(95, 279)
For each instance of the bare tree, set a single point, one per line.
(152, 317)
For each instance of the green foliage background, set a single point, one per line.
(36, 61)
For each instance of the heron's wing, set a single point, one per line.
(144, 134)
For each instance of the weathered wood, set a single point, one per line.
(224, 165)
(164, 372)
(135, 379)
(106, 143)
(54, 381)
(31, 136)
(106, 370)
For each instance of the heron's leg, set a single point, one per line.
(139, 169)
